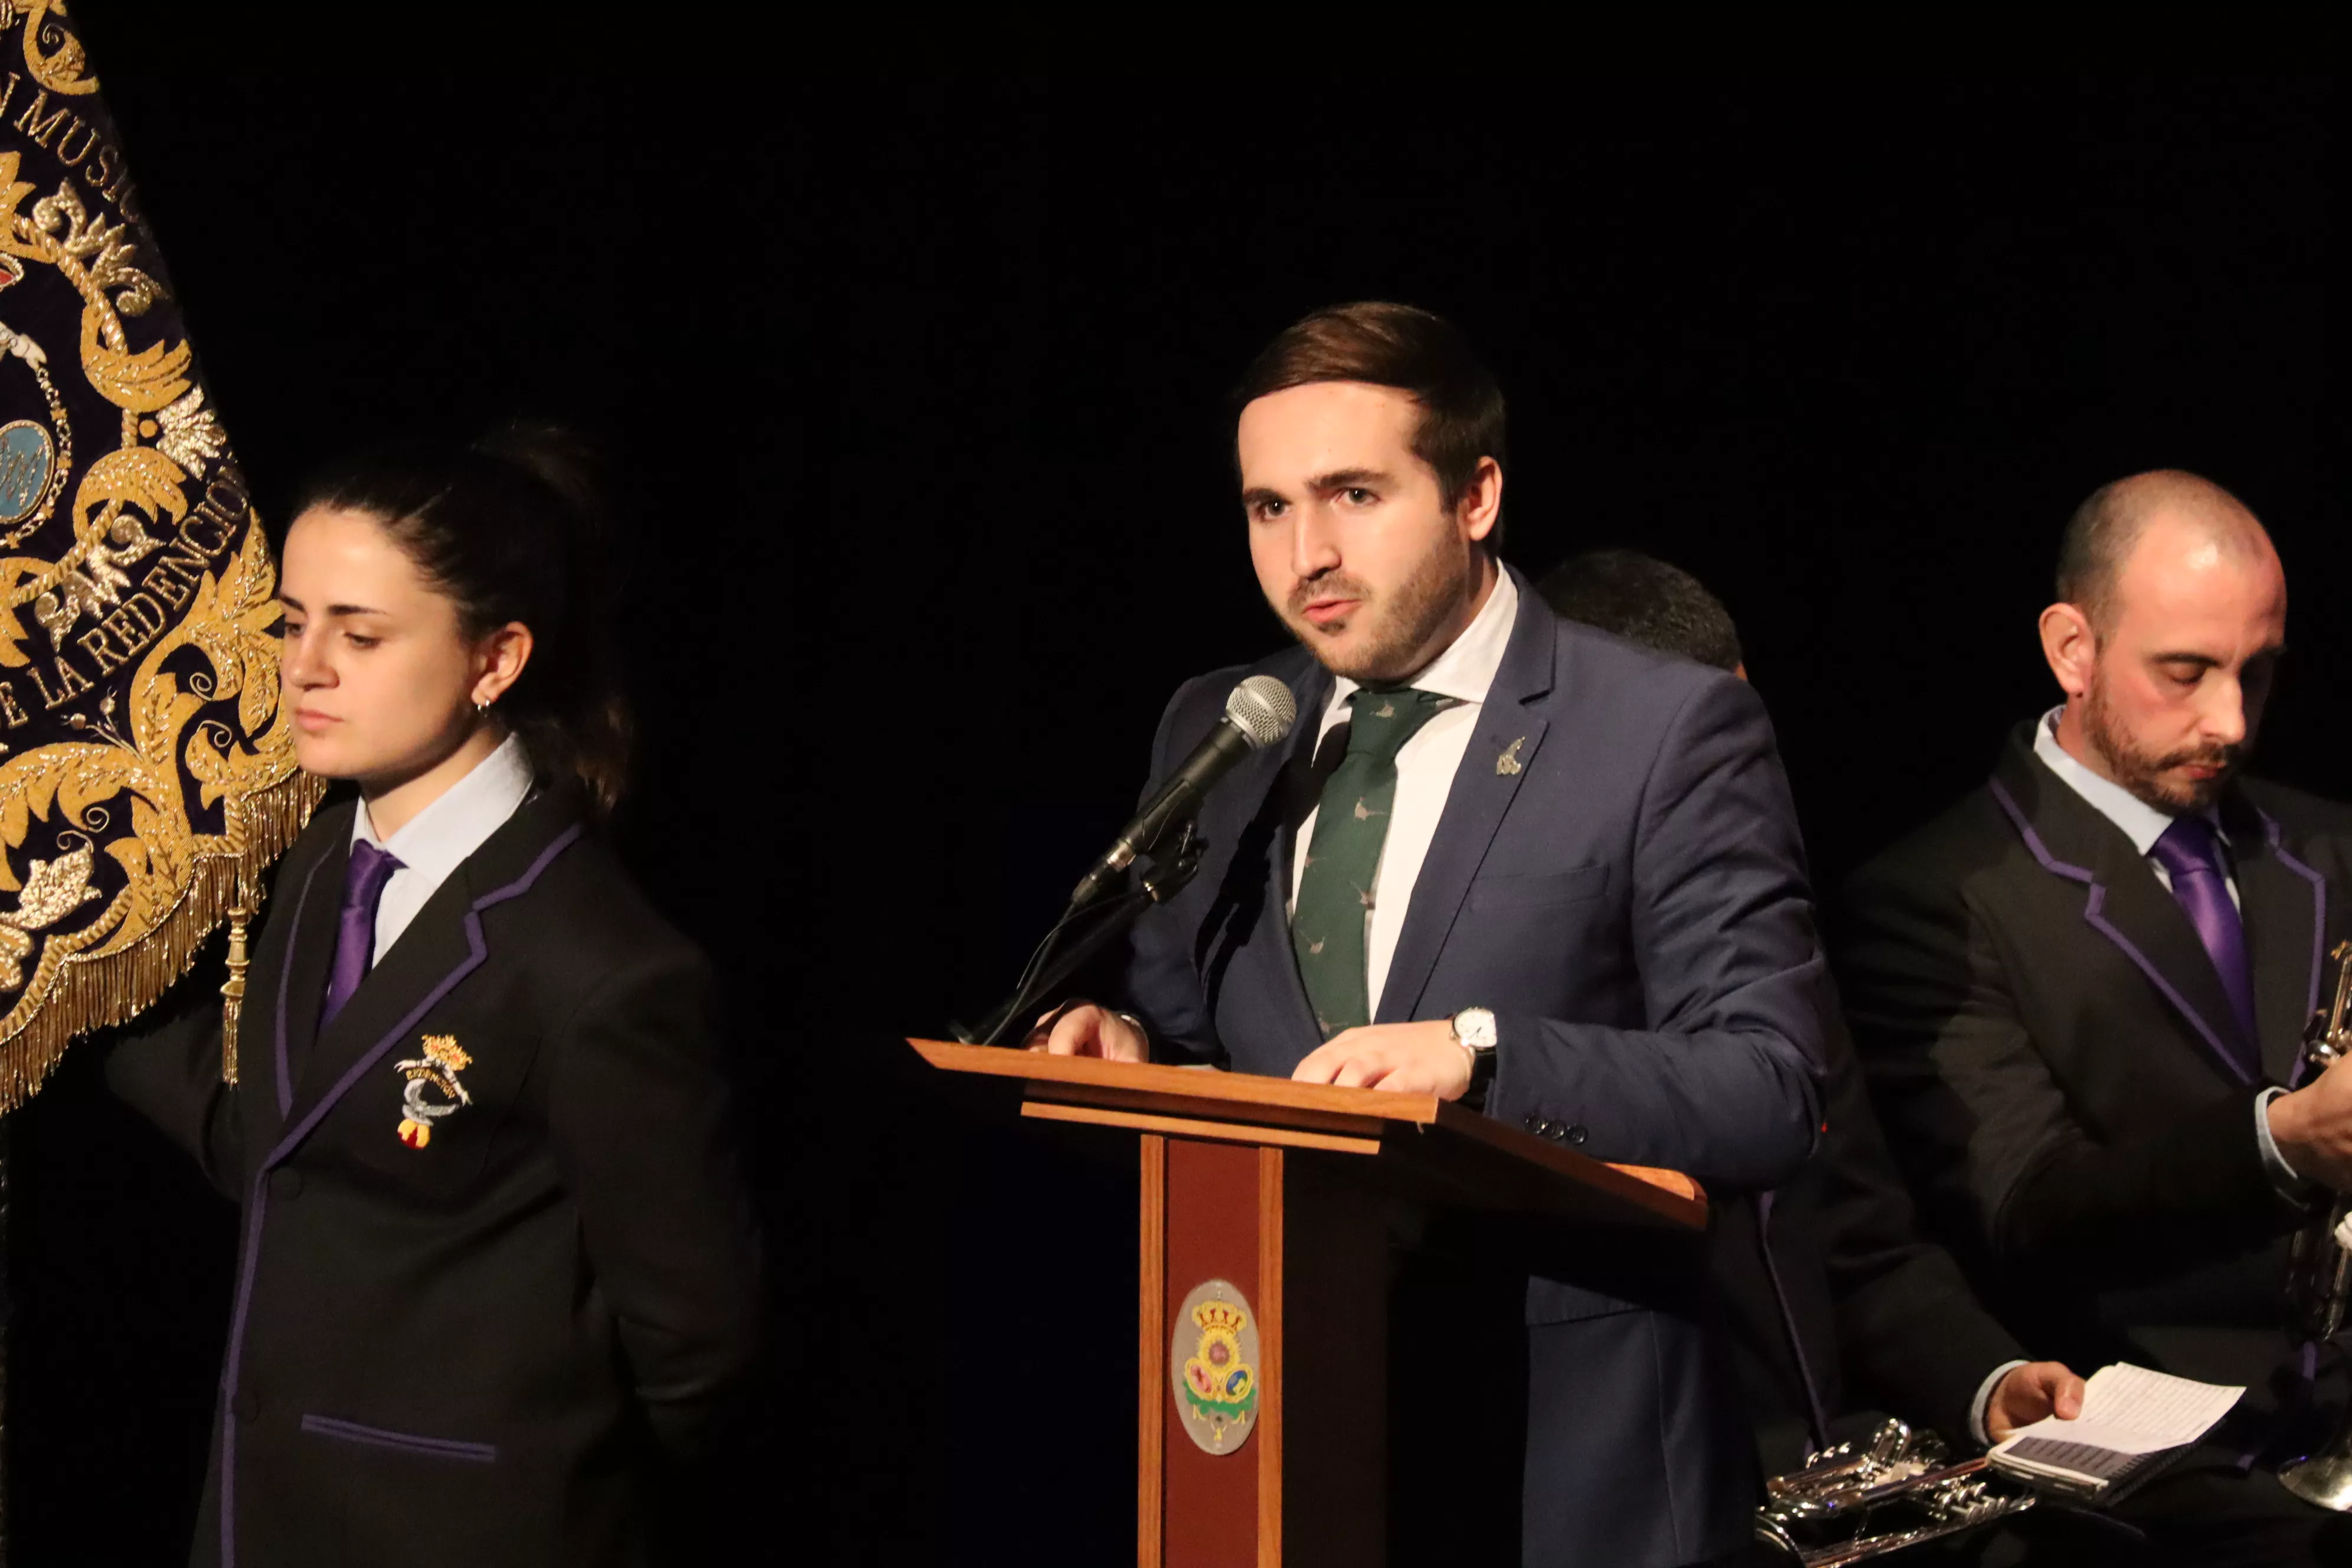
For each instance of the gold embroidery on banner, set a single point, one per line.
(52, 55)
(53, 889)
(141, 631)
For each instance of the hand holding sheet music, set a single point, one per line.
(2132, 1419)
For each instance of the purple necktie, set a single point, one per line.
(371, 868)
(2191, 853)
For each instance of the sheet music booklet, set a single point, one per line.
(2132, 1422)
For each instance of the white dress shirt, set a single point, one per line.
(1426, 768)
(436, 841)
(2144, 825)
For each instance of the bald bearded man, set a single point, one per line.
(2079, 996)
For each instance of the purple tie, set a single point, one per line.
(371, 868)
(2191, 853)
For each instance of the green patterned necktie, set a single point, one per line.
(1334, 912)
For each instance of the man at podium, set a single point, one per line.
(1500, 856)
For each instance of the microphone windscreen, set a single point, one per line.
(1263, 710)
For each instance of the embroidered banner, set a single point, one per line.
(146, 764)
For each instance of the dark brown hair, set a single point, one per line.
(1646, 600)
(2090, 551)
(511, 528)
(1414, 350)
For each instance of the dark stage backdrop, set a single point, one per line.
(911, 348)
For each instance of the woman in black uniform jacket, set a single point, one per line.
(498, 1269)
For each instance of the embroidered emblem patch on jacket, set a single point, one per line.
(438, 1068)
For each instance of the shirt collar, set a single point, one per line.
(1465, 670)
(436, 841)
(2141, 823)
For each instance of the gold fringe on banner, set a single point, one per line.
(91, 990)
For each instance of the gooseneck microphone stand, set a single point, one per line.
(1090, 923)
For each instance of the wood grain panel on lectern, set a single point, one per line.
(1209, 1501)
(1151, 1350)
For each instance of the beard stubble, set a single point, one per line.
(2142, 771)
(1405, 622)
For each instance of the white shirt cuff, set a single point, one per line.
(1983, 1398)
(2290, 1185)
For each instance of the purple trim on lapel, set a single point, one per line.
(285, 977)
(257, 1205)
(2318, 926)
(2106, 928)
(479, 950)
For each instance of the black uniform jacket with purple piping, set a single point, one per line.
(479, 1344)
(2058, 1068)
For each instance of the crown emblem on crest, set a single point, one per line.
(445, 1051)
(1219, 1318)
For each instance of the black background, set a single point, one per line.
(909, 346)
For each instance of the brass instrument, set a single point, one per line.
(2319, 1268)
(1864, 1499)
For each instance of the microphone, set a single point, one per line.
(1258, 713)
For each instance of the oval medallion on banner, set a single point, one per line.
(1213, 1362)
(28, 464)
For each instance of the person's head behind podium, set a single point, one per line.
(1648, 601)
(1370, 444)
(439, 598)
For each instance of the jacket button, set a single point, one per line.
(246, 1405)
(1576, 1134)
(285, 1183)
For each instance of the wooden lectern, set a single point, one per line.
(1291, 1198)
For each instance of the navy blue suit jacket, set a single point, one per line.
(1631, 902)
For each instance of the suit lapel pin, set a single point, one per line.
(438, 1068)
(1509, 762)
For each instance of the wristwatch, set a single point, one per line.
(1474, 1031)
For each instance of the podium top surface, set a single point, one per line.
(1201, 1102)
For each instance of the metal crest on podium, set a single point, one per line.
(1212, 1364)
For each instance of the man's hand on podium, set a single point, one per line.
(1409, 1058)
(1084, 1029)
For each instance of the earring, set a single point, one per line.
(481, 705)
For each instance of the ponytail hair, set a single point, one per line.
(513, 527)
